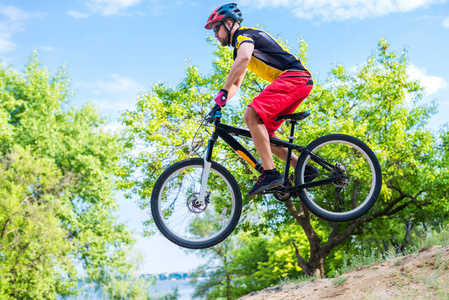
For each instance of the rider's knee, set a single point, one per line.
(250, 115)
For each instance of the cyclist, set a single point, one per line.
(291, 83)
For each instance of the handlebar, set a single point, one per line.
(213, 114)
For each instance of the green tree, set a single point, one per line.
(249, 255)
(56, 196)
(231, 268)
(381, 105)
(245, 262)
(218, 269)
(35, 256)
(377, 103)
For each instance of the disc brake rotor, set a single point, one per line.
(194, 205)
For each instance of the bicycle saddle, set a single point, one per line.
(296, 117)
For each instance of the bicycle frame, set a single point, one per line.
(224, 132)
(183, 197)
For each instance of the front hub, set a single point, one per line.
(195, 205)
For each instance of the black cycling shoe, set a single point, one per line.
(266, 181)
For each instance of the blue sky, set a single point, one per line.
(115, 48)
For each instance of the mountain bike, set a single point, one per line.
(196, 203)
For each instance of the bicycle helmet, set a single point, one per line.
(225, 11)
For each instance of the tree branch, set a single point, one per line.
(4, 228)
(302, 263)
(335, 230)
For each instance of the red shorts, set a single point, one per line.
(282, 97)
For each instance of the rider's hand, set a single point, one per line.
(221, 97)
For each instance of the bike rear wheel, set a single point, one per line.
(354, 193)
(181, 218)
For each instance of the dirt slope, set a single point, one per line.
(424, 275)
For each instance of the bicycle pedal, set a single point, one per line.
(274, 189)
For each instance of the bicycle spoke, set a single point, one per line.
(354, 172)
(182, 212)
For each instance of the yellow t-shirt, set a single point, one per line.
(269, 59)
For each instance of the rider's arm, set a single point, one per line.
(238, 69)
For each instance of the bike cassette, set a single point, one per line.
(343, 179)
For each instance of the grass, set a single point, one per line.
(370, 258)
(434, 278)
(440, 238)
(339, 281)
(398, 262)
(374, 256)
(288, 280)
(435, 281)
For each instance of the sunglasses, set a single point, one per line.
(217, 28)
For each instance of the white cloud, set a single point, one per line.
(446, 22)
(46, 48)
(123, 7)
(11, 22)
(111, 7)
(76, 14)
(117, 84)
(114, 127)
(329, 10)
(114, 94)
(14, 14)
(116, 104)
(6, 45)
(432, 84)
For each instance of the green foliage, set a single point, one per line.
(231, 267)
(218, 268)
(339, 281)
(377, 103)
(56, 188)
(362, 258)
(122, 282)
(162, 128)
(380, 104)
(35, 256)
(438, 236)
(164, 124)
(246, 259)
(281, 261)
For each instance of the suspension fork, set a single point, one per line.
(207, 166)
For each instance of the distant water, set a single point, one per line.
(185, 289)
(161, 287)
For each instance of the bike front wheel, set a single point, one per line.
(354, 192)
(182, 218)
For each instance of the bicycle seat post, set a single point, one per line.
(289, 151)
(292, 130)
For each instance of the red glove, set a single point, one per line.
(221, 97)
